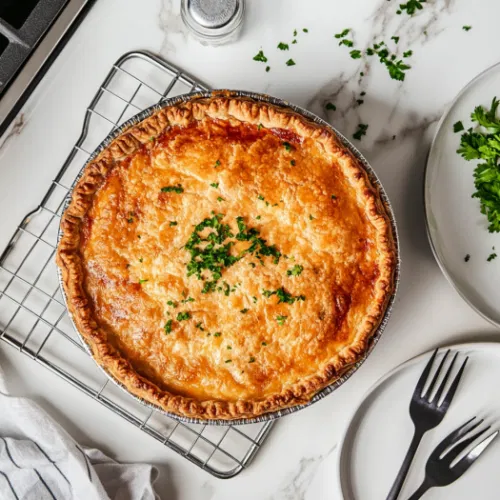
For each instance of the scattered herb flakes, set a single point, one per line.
(152, 138)
(139, 236)
(395, 38)
(292, 163)
(200, 326)
(254, 299)
(333, 197)
(359, 102)
(142, 281)
(185, 301)
(229, 348)
(466, 28)
(491, 257)
(228, 361)
(217, 164)
(295, 271)
(220, 198)
(283, 296)
(294, 32)
(287, 146)
(173, 223)
(467, 258)
(264, 344)
(251, 360)
(311, 217)
(330, 107)
(131, 216)
(283, 46)
(343, 33)
(411, 6)
(362, 93)
(347, 43)
(260, 197)
(260, 57)
(259, 126)
(172, 189)
(361, 73)
(396, 68)
(244, 311)
(290, 62)
(294, 42)
(168, 327)
(141, 260)
(183, 316)
(408, 53)
(217, 334)
(171, 303)
(215, 185)
(258, 217)
(362, 128)
(458, 127)
(483, 143)
(305, 30)
(268, 68)
(355, 54)
(281, 319)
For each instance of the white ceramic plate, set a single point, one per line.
(379, 433)
(455, 225)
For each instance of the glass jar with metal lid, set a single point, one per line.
(213, 22)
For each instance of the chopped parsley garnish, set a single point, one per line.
(343, 34)
(466, 28)
(183, 316)
(228, 347)
(172, 303)
(283, 46)
(458, 127)
(283, 296)
(260, 57)
(228, 361)
(173, 223)
(483, 143)
(294, 32)
(260, 197)
(287, 146)
(294, 42)
(254, 299)
(141, 260)
(142, 281)
(172, 189)
(408, 53)
(217, 334)
(251, 360)
(200, 326)
(467, 258)
(363, 93)
(290, 62)
(217, 164)
(131, 216)
(362, 128)
(281, 319)
(359, 102)
(189, 299)
(330, 107)
(395, 38)
(264, 344)
(258, 217)
(268, 68)
(355, 54)
(220, 198)
(347, 43)
(215, 185)
(244, 311)
(168, 327)
(334, 197)
(292, 163)
(491, 257)
(295, 271)
(259, 126)
(213, 252)
(411, 6)
(305, 30)
(311, 217)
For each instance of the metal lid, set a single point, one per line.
(213, 14)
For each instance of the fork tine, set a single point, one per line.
(453, 437)
(449, 395)
(445, 379)
(425, 374)
(473, 455)
(456, 450)
(436, 375)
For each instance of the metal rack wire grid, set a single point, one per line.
(33, 317)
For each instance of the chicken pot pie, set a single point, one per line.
(225, 258)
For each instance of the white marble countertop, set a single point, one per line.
(298, 460)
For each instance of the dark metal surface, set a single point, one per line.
(426, 412)
(374, 180)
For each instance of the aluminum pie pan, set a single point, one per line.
(374, 181)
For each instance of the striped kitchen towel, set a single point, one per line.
(39, 461)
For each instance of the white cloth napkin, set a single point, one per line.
(39, 461)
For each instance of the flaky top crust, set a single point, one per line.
(317, 206)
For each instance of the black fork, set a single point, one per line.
(426, 413)
(439, 470)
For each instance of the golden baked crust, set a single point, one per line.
(303, 284)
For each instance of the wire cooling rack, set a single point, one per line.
(33, 318)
